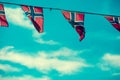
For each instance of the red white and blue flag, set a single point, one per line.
(3, 20)
(77, 21)
(35, 14)
(115, 21)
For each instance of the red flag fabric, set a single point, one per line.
(115, 21)
(3, 20)
(77, 21)
(35, 14)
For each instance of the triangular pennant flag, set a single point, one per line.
(3, 20)
(35, 14)
(115, 21)
(77, 21)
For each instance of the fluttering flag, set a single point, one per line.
(77, 21)
(35, 14)
(3, 20)
(115, 21)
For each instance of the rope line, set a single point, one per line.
(62, 9)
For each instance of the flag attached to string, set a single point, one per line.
(77, 21)
(3, 20)
(115, 21)
(35, 14)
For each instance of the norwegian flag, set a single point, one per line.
(115, 21)
(3, 20)
(35, 14)
(77, 21)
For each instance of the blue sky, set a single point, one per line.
(57, 54)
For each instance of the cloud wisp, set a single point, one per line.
(38, 38)
(8, 68)
(25, 77)
(47, 61)
(110, 61)
(118, 38)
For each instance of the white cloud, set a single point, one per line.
(118, 37)
(5, 49)
(47, 61)
(50, 42)
(8, 68)
(66, 52)
(110, 61)
(25, 77)
(116, 74)
(38, 38)
(18, 17)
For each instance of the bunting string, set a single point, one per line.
(75, 18)
(62, 9)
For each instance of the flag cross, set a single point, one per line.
(2, 12)
(33, 13)
(73, 21)
(116, 20)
